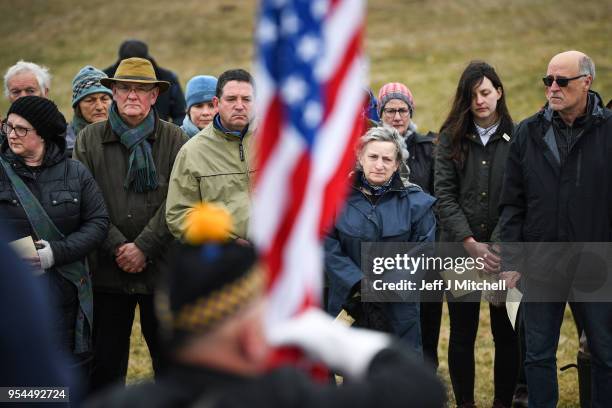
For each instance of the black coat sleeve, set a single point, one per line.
(177, 107)
(395, 378)
(94, 222)
(512, 206)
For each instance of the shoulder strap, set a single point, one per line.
(42, 225)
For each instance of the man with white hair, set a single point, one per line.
(26, 78)
(23, 79)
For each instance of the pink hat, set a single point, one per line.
(394, 90)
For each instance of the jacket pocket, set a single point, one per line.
(8, 197)
(64, 197)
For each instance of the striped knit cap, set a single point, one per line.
(395, 90)
(87, 82)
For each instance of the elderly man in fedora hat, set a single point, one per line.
(131, 156)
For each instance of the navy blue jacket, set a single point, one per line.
(402, 214)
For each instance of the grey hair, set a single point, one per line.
(43, 77)
(384, 133)
(587, 66)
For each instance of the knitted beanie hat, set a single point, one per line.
(209, 278)
(200, 88)
(395, 90)
(87, 82)
(42, 114)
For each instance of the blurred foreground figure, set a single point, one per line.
(212, 315)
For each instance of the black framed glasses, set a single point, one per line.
(561, 81)
(390, 112)
(19, 131)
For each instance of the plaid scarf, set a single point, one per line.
(377, 190)
(78, 123)
(141, 175)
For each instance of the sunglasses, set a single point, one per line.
(561, 81)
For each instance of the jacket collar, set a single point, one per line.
(595, 109)
(229, 133)
(396, 183)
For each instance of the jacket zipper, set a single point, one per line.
(241, 150)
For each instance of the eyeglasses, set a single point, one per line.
(19, 131)
(391, 112)
(140, 90)
(561, 81)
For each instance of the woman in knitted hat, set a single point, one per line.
(56, 202)
(200, 108)
(396, 109)
(470, 162)
(90, 101)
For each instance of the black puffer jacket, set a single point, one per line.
(68, 193)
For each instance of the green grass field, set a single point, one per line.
(423, 43)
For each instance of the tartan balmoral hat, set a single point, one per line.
(138, 70)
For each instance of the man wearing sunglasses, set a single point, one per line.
(558, 189)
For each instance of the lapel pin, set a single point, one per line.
(506, 137)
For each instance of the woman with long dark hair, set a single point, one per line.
(473, 146)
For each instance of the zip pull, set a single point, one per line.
(241, 150)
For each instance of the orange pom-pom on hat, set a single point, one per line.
(207, 222)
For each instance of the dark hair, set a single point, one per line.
(232, 75)
(459, 121)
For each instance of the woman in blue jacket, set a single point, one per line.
(379, 208)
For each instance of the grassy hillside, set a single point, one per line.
(424, 43)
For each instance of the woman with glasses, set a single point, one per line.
(396, 109)
(381, 209)
(56, 202)
(90, 102)
(471, 155)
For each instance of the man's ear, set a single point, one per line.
(215, 102)
(154, 95)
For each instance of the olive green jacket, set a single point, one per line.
(468, 196)
(135, 217)
(212, 167)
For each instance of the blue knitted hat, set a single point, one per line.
(200, 88)
(87, 82)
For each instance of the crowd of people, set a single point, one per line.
(110, 197)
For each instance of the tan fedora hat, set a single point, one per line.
(138, 70)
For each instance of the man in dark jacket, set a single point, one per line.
(131, 156)
(558, 188)
(212, 313)
(169, 105)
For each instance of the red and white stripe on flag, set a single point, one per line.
(310, 77)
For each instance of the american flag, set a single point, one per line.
(310, 75)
